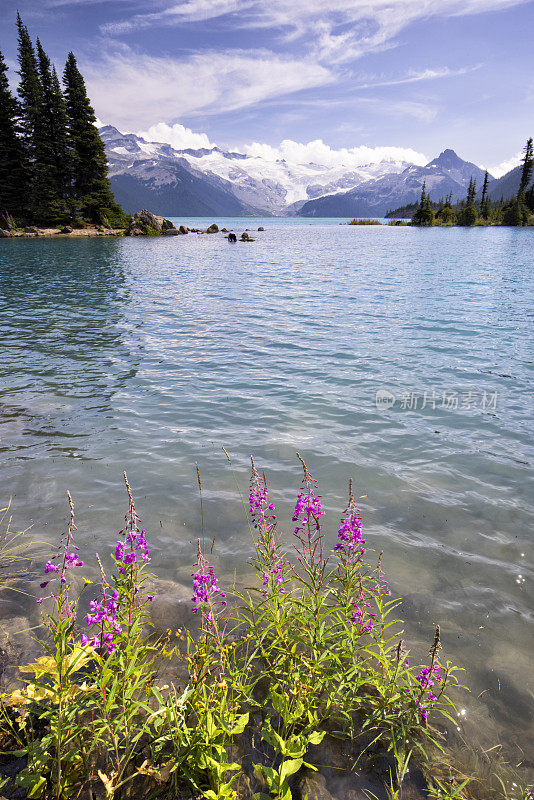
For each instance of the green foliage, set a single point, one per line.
(424, 214)
(92, 192)
(312, 651)
(13, 168)
(365, 222)
(53, 166)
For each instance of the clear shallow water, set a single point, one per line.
(150, 354)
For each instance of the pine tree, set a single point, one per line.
(484, 208)
(468, 213)
(92, 192)
(29, 87)
(55, 146)
(424, 214)
(43, 193)
(528, 165)
(13, 172)
(448, 217)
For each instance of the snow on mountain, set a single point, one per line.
(447, 173)
(259, 180)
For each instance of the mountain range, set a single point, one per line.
(212, 181)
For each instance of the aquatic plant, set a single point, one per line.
(311, 653)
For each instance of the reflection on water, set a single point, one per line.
(149, 355)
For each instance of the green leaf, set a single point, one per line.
(289, 768)
(240, 724)
(316, 737)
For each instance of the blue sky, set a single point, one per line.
(416, 74)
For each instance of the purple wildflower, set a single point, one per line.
(103, 613)
(67, 560)
(308, 509)
(264, 520)
(206, 590)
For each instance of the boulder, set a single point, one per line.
(232, 237)
(172, 232)
(135, 230)
(144, 221)
(246, 238)
(31, 229)
(183, 229)
(66, 229)
(166, 224)
(261, 229)
(213, 228)
(5, 234)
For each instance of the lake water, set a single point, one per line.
(151, 354)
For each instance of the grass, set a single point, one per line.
(308, 662)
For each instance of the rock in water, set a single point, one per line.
(143, 222)
(232, 237)
(261, 229)
(213, 228)
(183, 229)
(172, 232)
(166, 224)
(5, 234)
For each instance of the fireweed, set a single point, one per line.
(312, 650)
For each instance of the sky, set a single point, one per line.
(302, 79)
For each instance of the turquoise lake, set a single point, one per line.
(148, 355)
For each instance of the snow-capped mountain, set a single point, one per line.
(211, 180)
(447, 173)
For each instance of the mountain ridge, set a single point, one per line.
(210, 180)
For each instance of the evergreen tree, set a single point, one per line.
(55, 145)
(13, 172)
(528, 165)
(43, 192)
(484, 208)
(424, 214)
(92, 192)
(448, 217)
(29, 88)
(514, 213)
(468, 213)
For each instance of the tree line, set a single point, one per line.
(517, 211)
(53, 167)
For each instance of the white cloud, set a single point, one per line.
(177, 136)
(338, 32)
(505, 166)
(415, 77)
(132, 89)
(317, 152)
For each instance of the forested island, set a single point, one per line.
(482, 211)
